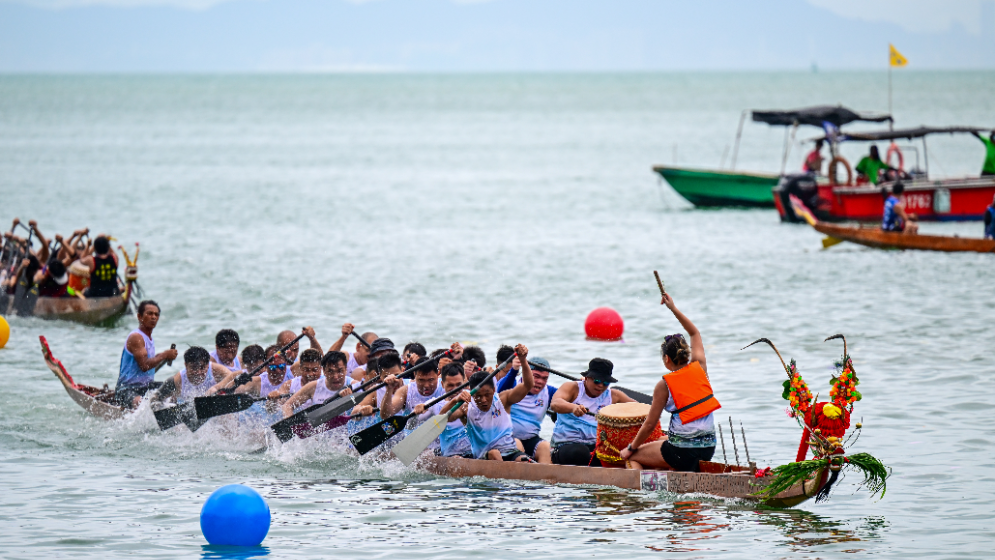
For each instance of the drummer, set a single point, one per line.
(687, 395)
(576, 403)
(527, 415)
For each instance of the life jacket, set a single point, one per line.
(692, 393)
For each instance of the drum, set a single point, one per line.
(79, 276)
(618, 425)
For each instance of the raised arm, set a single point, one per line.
(697, 347)
(519, 392)
(338, 344)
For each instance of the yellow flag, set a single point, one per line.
(895, 58)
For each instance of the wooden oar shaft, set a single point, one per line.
(659, 283)
(361, 340)
(246, 377)
(553, 371)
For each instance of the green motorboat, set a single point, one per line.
(718, 187)
(703, 187)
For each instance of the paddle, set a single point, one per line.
(167, 362)
(370, 438)
(411, 447)
(360, 339)
(338, 406)
(635, 395)
(177, 414)
(247, 377)
(283, 428)
(219, 405)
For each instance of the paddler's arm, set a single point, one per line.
(660, 395)
(460, 401)
(394, 397)
(168, 389)
(619, 396)
(136, 345)
(366, 407)
(519, 392)
(563, 398)
(338, 344)
(252, 387)
(299, 398)
(697, 346)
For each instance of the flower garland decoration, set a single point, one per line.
(825, 425)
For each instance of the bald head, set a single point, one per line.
(362, 353)
(284, 339)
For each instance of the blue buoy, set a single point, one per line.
(235, 515)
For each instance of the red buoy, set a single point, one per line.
(604, 323)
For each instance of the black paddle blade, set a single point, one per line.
(371, 438)
(636, 395)
(179, 414)
(218, 405)
(284, 428)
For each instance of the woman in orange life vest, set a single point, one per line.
(687, 395)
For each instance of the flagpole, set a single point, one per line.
(891, 123)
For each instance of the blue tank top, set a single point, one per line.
(990, 230)
(453, 441)
(890, 221)
(489, 430)
(527, 415)
(571, 429)
(129, 374)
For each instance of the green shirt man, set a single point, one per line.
(989, 167)
(871, 166)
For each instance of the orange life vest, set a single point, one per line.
(692, 393)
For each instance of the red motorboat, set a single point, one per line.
(836, 200)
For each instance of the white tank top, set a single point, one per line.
(265, 387)
(571, 429)
(415, 398)
(235, 364)
(351, 364)
(321, 392)
(189, 391)
(489, 430)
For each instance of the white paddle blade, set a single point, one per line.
(411, 447)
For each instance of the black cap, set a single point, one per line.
(381, 344)
(600, 369)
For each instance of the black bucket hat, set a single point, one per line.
(381, 344)
(600, 369)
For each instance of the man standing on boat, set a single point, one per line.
(989, 166)
(139, 361)
(990, 221)
(813, 161)
(895, 218)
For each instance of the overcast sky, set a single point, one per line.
(490, 35)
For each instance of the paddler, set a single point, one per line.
(895, 217)
(273, 376)
(386, 363)
(453, 442)
(360, 356)
(330, 383)
(401, 398)
(687, 395)
(103, 269)
(53, 281)
(988, 168)
(413, 352)
(252, 356)
(290, 354)
(226, 350)
(139, 360)
(196, 379)
(576, 403)
(527, 415)
(487, 419)
(309, 368)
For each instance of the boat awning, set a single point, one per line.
(816, 116)
(907, 133)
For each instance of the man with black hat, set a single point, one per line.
(576, 403)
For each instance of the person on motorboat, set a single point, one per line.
(990, 221)
(576, 403)
(139, 361)
(226, 350)
(814, 159)
(871, 168)
(103, 269)
(684, 392)
(895, 218)
(988, 168)
(487, 417)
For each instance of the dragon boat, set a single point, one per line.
(91, 311)
(97, 401)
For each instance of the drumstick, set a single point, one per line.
(659, 283)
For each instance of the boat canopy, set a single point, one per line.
(908, 133)
(816, 116)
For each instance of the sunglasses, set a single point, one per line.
(272, 366)
(670, 337)
(599, 382)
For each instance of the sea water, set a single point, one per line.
(489, 209)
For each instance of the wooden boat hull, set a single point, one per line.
(89, 311)
(875, 237)
(739, 484)
(98, 402)
(713, 188)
